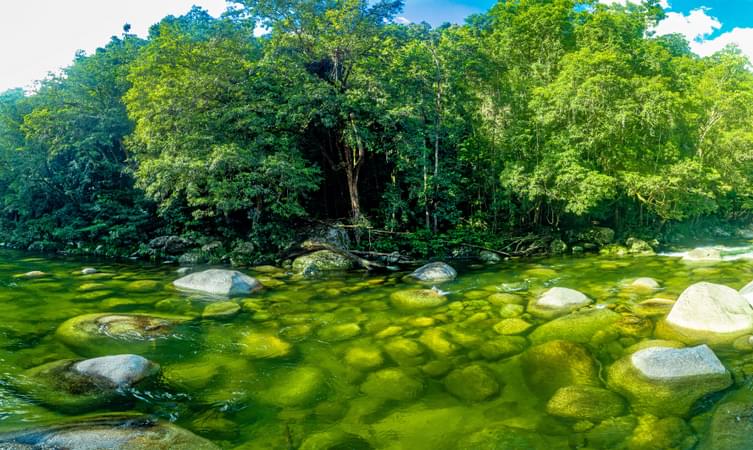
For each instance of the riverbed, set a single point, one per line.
(336, 362)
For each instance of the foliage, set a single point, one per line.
(537, 116)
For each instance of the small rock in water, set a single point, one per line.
(434, 272)
(220, 309)
(417, 298)
(473, 383)
(646, 283)
(264, 346)
(32, 274)
(585, 403)
(558, 301)
(364, 358)
(89, 271)
(120, 370)
(392, 384)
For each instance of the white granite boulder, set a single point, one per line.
(120, 370)
(558, 301)
(219, 282)
(435, 272)
(708, 313)
(668, 381)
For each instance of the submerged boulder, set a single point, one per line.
(321, 261)
(418, 298)
(392, 384)
(580, 326)
(585, 403)
(113, 432)
(100, 334)
(667, 381)
(558, 301)
(264, 346)
(295, 388)
(435, 272)
(219, 282)
(731, 427)
(709, 313)
(645, 283)
(556, 364)
(473, 383)
(80, 385)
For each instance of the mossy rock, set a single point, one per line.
(731, 427)
(577, 327)
(392, 384)
(104, 333)
(557, 364)
(364, 358)
(340, 332)
(512, 326)
(142, 286)
(405, 352)
(215, 425)
(113, 432)
(220, 310)
(298, 387)
(662, 433)
(655, 307)
(417, 298)
(503, 347)
(264, 346)
(614, 250)
(585, 403)
(502, 437)
(437, 342)
(321, 261)
(667, 381)
(80, 385)
(191, 376)
(473, 383)
(335, 440)
(611, 433)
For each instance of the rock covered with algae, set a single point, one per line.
(668, 381)
(113, 432)
(77, 385)
(102, 333)
(418, 298)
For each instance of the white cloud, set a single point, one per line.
(663, 3)
(39, 36)
(742, 37)
(696, 25)
(402, 20)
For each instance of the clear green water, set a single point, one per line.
(340, 330)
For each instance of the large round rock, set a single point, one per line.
(102, 334)
(80, 385)
(219, 282)
(558, 301)
(708, 313)
(417, 298)
(667, 381)
(110, 432)
(436, 272)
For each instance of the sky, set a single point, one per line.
(40, 36)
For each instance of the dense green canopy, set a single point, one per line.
(538, 115)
